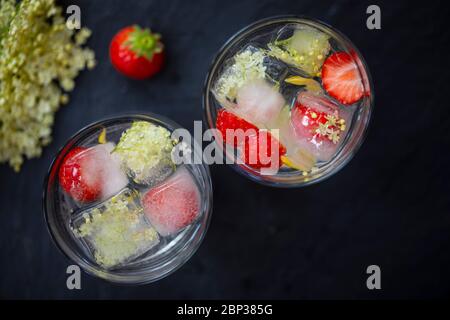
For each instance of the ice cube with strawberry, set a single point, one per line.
(173, 204)
(317, 125)
(89, 174)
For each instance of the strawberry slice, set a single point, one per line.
(341, 78)
(253, 155)
(77, 176)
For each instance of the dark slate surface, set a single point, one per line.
(389, 206)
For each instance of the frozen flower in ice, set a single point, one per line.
(145, 152)
(116, 231)
(246, 66)
(307, 49)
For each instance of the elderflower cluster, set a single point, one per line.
(331, 128)
(247, 65)
(39, 60)
(145, 151)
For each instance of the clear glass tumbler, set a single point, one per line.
(152, 246)
(256, 38)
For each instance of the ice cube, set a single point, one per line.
(321, 149)
(297, 157)
(144, 151)
(246, 65)
(317, 125)
(173, 204)
(301, 46)
(259, 102)
(113, 178)
(116, 230)
(276, 70)
(91, 174)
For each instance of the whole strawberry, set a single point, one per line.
(137, 53)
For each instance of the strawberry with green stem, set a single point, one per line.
(137, 53)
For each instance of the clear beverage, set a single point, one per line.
(292, 74)
(117, 205)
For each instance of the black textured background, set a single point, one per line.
(389, 206)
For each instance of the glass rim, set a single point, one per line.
(294, 179)
(143, 276)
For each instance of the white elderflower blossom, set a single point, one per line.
(247, 65)
(39, 60)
